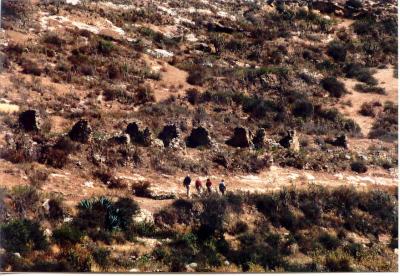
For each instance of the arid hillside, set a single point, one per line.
(105, 107)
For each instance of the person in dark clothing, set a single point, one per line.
(199, 186)
(208, 185)
(222, 187)
(186, 183)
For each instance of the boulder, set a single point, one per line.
(30, 120)
(81, 132)
(169, 132)
(199, 137)
(341, 141)
(259, 139)
(139, 134)
(290, 141)
(241, 138)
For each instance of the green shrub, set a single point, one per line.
(386, 124)
(193, 96)
(333, 86)
(22, 235)
(338, 263)
(144, 229)
(105, 47)
(101, 257)
(367, 109)
(364, 88)
(141, 189)
(56, 210)
(329, 242)
(355, 249)
(365, 26)
(303, 108)
(76, 260)
(105, 214)
(67, 234)
(123, 96)
(239, 228)
(361, 73)
(144, 94)
(337, 50)
(54, 39)
(198, 75)
(25, 198)
(359, 166)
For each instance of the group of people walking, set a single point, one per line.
(199, 186)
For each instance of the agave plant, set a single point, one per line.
(85, 204)
(105, 202)
(113, 221)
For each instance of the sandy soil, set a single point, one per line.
(386, 80)
(172, 82)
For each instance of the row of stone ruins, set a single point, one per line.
(171, 135)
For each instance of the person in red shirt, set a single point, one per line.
(199, 186)
(208, 185)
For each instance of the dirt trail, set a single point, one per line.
(75, 187)
(386, 80)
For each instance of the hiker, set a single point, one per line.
(222, 187)
(186, 183)
(208, 185)
(199, 186)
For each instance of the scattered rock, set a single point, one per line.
(18, 255)
(270, 81)
(81, 132)
(160, 53)
(139, 134)
(294, 248)
(199, 137)
(30, 120)
(241, 138)
(47, 232)
(157, 143)
(169, 132)
(88, 184)
(68, 219)
(143, 216)
(191, 267)
(46, 206)
(134, 270)
(290, 141)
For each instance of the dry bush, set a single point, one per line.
(141, 188)
(108, 178)
(37, 177)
